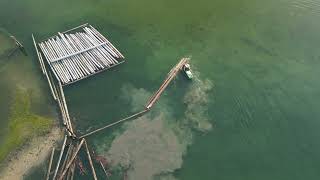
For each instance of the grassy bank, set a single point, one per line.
(23, 124)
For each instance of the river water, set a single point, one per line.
(250, 114)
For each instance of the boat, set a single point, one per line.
(187, 70)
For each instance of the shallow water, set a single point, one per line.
(262, 57)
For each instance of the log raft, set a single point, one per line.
(79, 53)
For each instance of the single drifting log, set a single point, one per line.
(90, 161)
(71, 160)
(115, 123)
(50, 163)
(104, 170)
(60, 156)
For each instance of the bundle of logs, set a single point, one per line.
(77, 55)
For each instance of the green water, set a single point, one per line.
(261, 56)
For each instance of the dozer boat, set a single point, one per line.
(187, 70)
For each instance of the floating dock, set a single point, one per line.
(78, 53)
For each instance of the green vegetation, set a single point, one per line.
(23, 124)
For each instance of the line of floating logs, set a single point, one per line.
(75, 56)
(115, 123)
(60, 157)
(71, 160)
(90, 161)
(173, 72)
(50, 164)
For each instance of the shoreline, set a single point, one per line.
(32, 154)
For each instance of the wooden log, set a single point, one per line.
(75, 59)
(96, 39)
(45, 72)
(72, 60)
(83, 56)
(35, 46)
(104, 170)
(52, 54)
(86, 55)
(95, 73)
(52, 66)
(105, 39)
(82, 51)
(98, 56)
(67, 157)
(73, 49)
(81, 47)
(65, 69)
(60, 156)
(173, 72)
(57, 47)
(115, 123)
(73, 166)
(68, 65)
(50, 163)
(72, 29)
(86, 45)
(52, 83)
(71, 160)
(65, 107)
(90, 161)
(104, 53)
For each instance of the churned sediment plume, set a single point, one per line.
(153, 146)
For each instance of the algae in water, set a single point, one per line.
(23, 123)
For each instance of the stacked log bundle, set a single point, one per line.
(80, 53)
